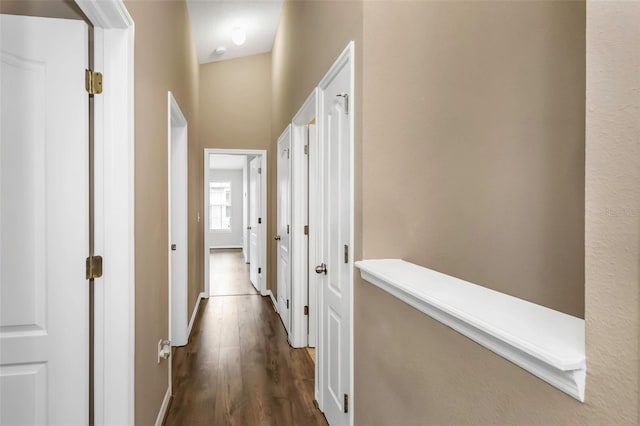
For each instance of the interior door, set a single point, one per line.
(44, 216)
(313, 204)
(337, 267)
(254, 213)
(283, 227)
(178, 241)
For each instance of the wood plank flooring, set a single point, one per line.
(229, 275)
(238, 369)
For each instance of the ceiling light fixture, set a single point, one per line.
(220, 50)
(238, 36)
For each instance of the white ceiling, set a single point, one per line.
(213, 20)
(226, 162)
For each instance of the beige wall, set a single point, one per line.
(66, 9)
(165, 60)
(485, 181)
(310, 37)
(235, 103)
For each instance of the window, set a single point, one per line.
(220, 206)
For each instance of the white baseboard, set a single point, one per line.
(273, 300)
(196, 308)
(163, 408)
(225, 247)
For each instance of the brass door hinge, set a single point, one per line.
(94, 267)
(93, 82)
(345, 96)
(306, 310)
(306, 230)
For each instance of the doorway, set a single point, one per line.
(235, 216)
(177, 219)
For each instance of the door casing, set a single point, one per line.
(303, 208)
(177, 142)
(114, 296)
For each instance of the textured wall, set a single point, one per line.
(420, 371)
(612, 229)
(164, 61)
(484, 179)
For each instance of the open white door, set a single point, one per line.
(44, 212)
(283, 227)
(178, 255)
(335, 271)
(255, 186)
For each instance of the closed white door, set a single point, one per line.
(337, 267)
(254, 227)
(44, 233)
(283, 227)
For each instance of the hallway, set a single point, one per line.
(238, 368)
(229, 274)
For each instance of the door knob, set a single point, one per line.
(277, 238)
(321, 269)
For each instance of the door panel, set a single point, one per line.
(283, 227)
(44, 233)
(336, 284)
(254, 212)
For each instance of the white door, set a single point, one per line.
(313, 203)
(283, 227)
(44, 216)
(178, 254)
(336, 277)
(255, 186)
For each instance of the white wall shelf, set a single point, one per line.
(547, 343)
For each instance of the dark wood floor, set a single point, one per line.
(229, 273)
(238, 369)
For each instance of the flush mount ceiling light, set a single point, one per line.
(238, 36)
(220, 50)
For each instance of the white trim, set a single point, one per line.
(163, 408)
(547, 343)
(114, 332)
(194, 314)
(273, 300)
(347, 57)
(262, 153)
(106, 14)
(300, 248)
(225, 247)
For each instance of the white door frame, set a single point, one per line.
(302, 246)
(177, 143)
(114, 338)
(262, 154)
(284, 302)
(346, 59)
